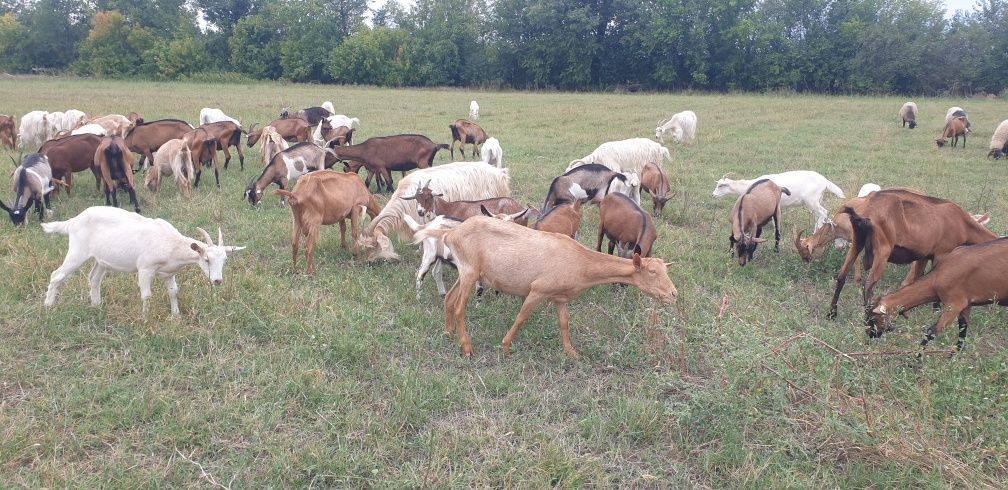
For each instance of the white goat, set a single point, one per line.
(867, 189)
(173, 158)
(271, 144)
(34, 129)
(327, 105)
(90, 128)
(435, 252)
(492, 153)
(473, 110)
(806, 188)
(73, 119)
(121, 241)
(682, 126)
(628, 156)
(335, 121)
(212, 115)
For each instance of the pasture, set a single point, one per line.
(343, 379)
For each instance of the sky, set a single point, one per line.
(952, 5)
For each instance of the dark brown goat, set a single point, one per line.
(294, 130)
(655, 182)
(203, 147)
(227, 134)
(8, 137)
(313, 115)
(383, 154)
(963, 278)
(466, 131)
(430, 204)
(564, 219)
(625, 224)
(900, 227)
(753, 209)
(146, 137)
(74, 153)
(115, 161)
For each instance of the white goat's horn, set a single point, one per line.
(729, 174)
(206, 236)
(220, 237)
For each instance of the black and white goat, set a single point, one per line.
(33, 181)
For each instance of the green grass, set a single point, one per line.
(344, 379)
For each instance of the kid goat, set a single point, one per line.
(121, 241)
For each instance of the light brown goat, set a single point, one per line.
(429, 203)
(564, 219)
(955, 128)
(172, 158)
(753, 209)
(272, 143)
(227, 134)
(8, 137)
(466, 132)
(654, 181)
(115, 161)
(203, 147)
(294, 130)
(114, 124)
(626, 225)
(518, 261)
(326, 198)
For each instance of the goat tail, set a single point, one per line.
(836, 191)
(863, 234)
(786, 191)
(437, 234)
(61, 227)
(289, 196)
(441, 146)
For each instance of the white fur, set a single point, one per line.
(435, 251)
(173, 158)
(113, 124)
(626, 156)
(948, 114)
(806, 189)
(271, 143)
(473, 110)
(211, 115)
(334, 121)
(1000, 136)
(492, 153)
(72, 119)
(867, 189)
(121, 241)
(90, 129)
(34, 129)
(327, 105)
(681, 126)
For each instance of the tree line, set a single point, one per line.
(823, 46)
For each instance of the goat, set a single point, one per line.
(333, 127)
(628, 155)
(965, 277)
(72, 154)
(325, 198)
(590, 182)
(682, 126)
(435, 253)
(211, 115)
(473, 110)
(8, 137)
(383, 154)
(466, 132)
(114, 124)
(955, 128)
(564, 219)
(203, 149)
(32, 182)
(753, 209)
(173, 158)
(430, 203)
(898, 226)
(289, 164)
(145, 138)
(625, 224)
(806, 187)
(294, 130)
(457, 181)
(312, 115)
(491, 152)
(227, 134)
(121, 241)
(70, 120)
(272, 143)
(539, 267)
(34, 129)
(654, 181)
(115, 161)
(90, 128)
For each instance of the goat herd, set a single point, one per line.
(462, 214)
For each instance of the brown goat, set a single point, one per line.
(294, 130)
(288, 164)
(753, 209)
(147, 137)
(175, 159)
(203, 147)
(965, 277)
(655, 182)
(338, 136)
(114, 124)
(326, 198)
(383, 154)
(955, 128)
(115, 161)
(135, 118)
(431, 204)
(564, 219)
(539, 267)
(900, 227)
(625, 224)
(227, 134)
(8, 137)
(72, 154)
(465, 131)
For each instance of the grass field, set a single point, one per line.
(343, 379)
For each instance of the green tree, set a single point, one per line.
(11, 35)
(371, 56)
(255, 48)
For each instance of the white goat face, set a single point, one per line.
(659, 132)
(211, 260)
(722, 188)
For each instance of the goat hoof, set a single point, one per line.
(832, 314)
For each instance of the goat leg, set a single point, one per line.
(133, 198)
(563, 317)
(531, 301)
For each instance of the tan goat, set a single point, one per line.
(564, 219)
(539, 267)
(172, 158)
(753, 209)
(626, 225)
(654, 181)
(325, 198)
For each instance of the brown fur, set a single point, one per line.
(72, 154)
(309, 156)
(203, 147)
(294, 130)
(115, 161)
(145, 138)
(384, 154)
(114, 124)
(955, 128)
(8, 137)
(434, 205)
(625, 224)
(564, 219)
(655, 182)
(227, 134)
(466, 132)
(753, 209)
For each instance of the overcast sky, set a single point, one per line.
(952, 5)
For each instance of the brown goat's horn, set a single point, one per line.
(206, 236)
(803, 251)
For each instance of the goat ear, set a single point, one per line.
(408, 198)
(484, 210)
(636, 259)
(197, 248)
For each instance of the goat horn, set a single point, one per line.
(12, 161)
(251, 128)
(206, 236)
(803, 251)
(220, 236)
(729, 174)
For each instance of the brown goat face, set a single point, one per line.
(940, 142)
(877, 322)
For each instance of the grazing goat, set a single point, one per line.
(173, 158)
(272, 143)
(121, 241)
(626, 225)
(203, 148)
(955, 128)
(466, 132)
(32, 181)
(682, 126)
(564, 219)
(999, 141)
(326, 198)
(806, 187)
(430, 203)
(333, 127)
(590, 182)
(72, 154)
(289, 164)
(626, 156)
(955, 112)
(384, 154)
(312, 115)
(491, 152)
(210, 115)
(145, 138)
(114, 124)
(965, 277)
(115, 161)
(457, 181)
(227, 134)
(90, 128)
(752, 210)
(473, 110)
(909, 114)
(8, 137)
(654, 181)
(899, 226)
(539, 267)
(294, 130)
(34, 129)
